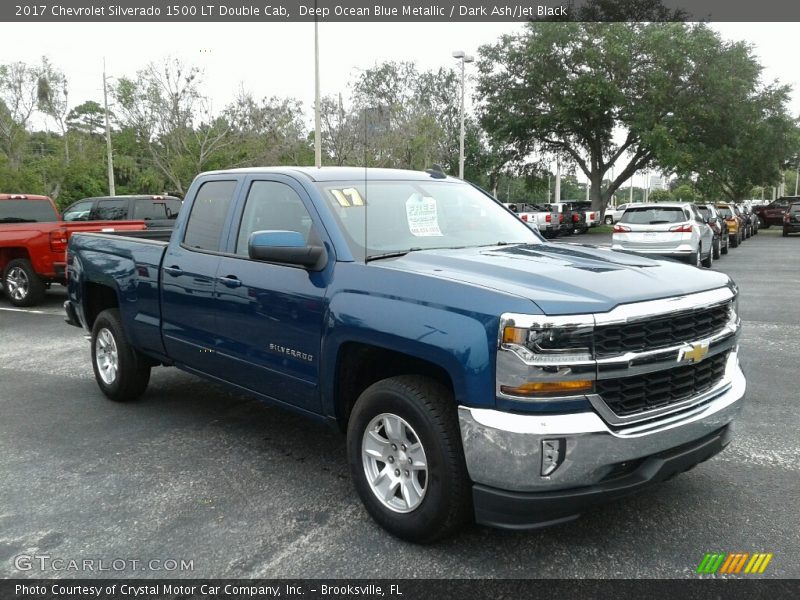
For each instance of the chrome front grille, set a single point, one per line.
(660, 332)
(627, 396)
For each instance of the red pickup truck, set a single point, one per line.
(33, 244)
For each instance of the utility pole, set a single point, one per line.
(558, 179)
(109, 155)
(317, 120)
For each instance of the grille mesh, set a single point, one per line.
(632, 395)
(652, 334)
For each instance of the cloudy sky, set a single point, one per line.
(278, 59)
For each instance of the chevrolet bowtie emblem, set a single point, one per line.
(693, 353)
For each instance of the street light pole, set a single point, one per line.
(464, 58)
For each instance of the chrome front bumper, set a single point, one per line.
(504, 450)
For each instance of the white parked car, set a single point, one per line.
(675, 229)
(614, 214)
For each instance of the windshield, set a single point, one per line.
(654, 215)
(405, 216)
(725, 212)
(27, 211)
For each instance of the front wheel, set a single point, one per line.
(121, 372)
(406, 459)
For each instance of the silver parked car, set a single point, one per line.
(675, 229)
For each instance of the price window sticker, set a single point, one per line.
(422, 217)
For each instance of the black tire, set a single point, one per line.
(762, 223)
(21, 284)
(694, 258)
(608, 220)
(717, 249)
(133, 370)
(708, 260)
(430, 410)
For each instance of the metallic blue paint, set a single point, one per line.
(278, 332)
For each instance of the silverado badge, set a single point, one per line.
(693, 353)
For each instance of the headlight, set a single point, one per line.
(558, 343)
(545, 360)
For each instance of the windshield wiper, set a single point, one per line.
(16, 220)
(392, 254)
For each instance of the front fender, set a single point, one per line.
(457, 342)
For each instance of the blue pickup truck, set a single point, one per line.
(479, 371)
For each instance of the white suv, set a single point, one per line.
(675, 229)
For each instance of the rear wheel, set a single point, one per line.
(694, 258)
(609, 220)
(406, 459)
(22, 285)
(121, 372)
(762, 223)
(708, 260)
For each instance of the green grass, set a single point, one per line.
(601, 229)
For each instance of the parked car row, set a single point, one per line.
(557, 218)
(34, 236)
(697, 233)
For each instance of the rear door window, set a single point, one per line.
(156, 208)
(209, 210)
(110, 210)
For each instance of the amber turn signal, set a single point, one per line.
(535, 388)
(515, 335)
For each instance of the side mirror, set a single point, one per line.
(287, 247)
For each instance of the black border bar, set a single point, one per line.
(355, 11)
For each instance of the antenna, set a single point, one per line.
(366, 200)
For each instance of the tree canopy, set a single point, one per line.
(640, 94)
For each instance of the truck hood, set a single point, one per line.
(562, 278)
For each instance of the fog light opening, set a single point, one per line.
(552, 455)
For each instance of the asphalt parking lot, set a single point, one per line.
(191, 472)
